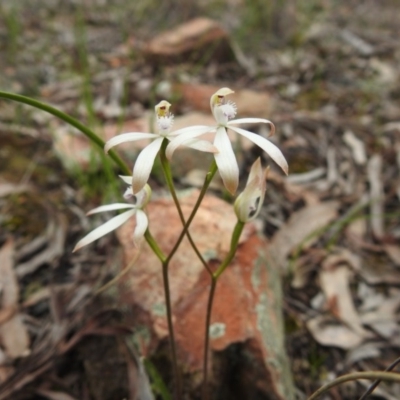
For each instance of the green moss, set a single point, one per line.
(25, 215)
(302, 162)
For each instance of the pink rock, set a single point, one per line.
(199, 39)
(247, 306)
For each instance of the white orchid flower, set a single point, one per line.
(142, 198)
(224, 112)
(145, 160)
(248, 204)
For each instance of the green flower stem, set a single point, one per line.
(165, 264)
(210, 175)
(205, 393)
(177, 375)
(154, 246)
(170, 183)
(387, 376)
(69, 120)
(169, 180)
(237, 231)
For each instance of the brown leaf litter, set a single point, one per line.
(333, 223)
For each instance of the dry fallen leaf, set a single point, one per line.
(55, 235)
(376, 270)
(301, 229)
(305, 265)
(374, 170)
(393, 252)
(364, 351)
(53, 395)
(328, 332)
(13, 333)
(7, 188)
(357, 146)
(383, 319)
(335, 283)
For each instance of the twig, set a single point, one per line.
(378, 381)
(388, 376)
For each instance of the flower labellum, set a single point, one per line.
(248, 204)
(142, 198)
(165, 119)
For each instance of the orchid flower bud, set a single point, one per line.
(248, 204)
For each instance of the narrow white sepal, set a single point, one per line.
(226, 161)
(141, 226)
(127, 137)
(110, 207)
(127, 179)
(272, 150)
(250, 121)
(191, 133)
(197, 129)
(144, 165)
(102, 230)
(202, 145)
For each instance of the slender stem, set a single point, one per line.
(388, 376)
(170, 183)
(178, 383)
(210, 175)
(214, 281)
(234, 244)
(207, 181)
(378, 381)
(154, 246)
(167, 293)
(165, 263)
(69, 120)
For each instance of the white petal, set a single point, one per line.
(226, 160)
(102, 230)
(253, 121)
(110, 207)
(127, 137)
(184, 135)
(197, 129)
(126, 178)
(141, 225)
(202, 145)
(272, 150)
(144, 165)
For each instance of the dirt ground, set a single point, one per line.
(329, 70)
